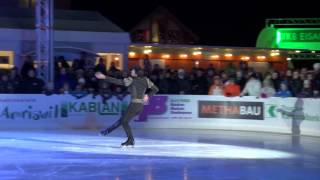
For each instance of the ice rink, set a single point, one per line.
(158, 154)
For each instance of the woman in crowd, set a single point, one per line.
(216, 88)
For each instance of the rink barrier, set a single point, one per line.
(278, 115)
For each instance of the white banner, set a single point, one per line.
(281, 115)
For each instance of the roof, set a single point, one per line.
(163, 10)
(68, 20)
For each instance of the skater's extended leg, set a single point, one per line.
(111, 128)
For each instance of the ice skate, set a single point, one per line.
(128, 143)
(104, 132)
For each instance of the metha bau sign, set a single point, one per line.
(231, 110)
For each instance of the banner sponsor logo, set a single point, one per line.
(30, 113)
(64, 110)
(109, 108)
(157, 106)
(231, 109)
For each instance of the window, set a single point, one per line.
(115, 58)
(27, 3)
(6, 59)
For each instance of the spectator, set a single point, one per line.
(63, 62)
(316, 68)
(61, 79)
(120, 92)
(81, 85)
(267, 89)
(289, 75)
(31, 84)
(65, 89)
(210, 74)
(276, 80)
(5, 85)
(156, 69)
(49, 89)
(296, 84)
(231, 69)
(231, 89)
(164, 83)
(169, 80)
(252, 87)
(250, 72)
(240, 80)
(154, 78)
(306, 92)
(101, 66)
(27, 66)
(113, 69)
(105, 91)
(199, 85)
(224, 77)
(304, 71)
(89, 64)
(147, 64)
(15, 79)
(56, 65)
(80, 90)
(259, 76)
(172, 79)
(310, 78)
(216, 88)
(82, 60)
(76, 65)
(91, 81)
(283, 92)
(282, 76)
(183, 83)
(211, 68)
(316, 93)
(243, 67)
(104, 88)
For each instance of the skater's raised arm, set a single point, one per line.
(121, 82)
(287, 113)
(153, 88)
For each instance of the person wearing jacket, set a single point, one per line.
(138, 85)
(252, 87)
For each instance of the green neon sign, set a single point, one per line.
(298, 35)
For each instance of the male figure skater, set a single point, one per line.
(138, 85)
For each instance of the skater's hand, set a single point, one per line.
(99, 75)
(280, 110)
(146, 99)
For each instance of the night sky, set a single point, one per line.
(218, 23)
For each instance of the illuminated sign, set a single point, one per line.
(305, 35)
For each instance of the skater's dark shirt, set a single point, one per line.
(137, 86)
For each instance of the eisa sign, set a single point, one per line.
(231, 110)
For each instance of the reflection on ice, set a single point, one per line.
(144, 147)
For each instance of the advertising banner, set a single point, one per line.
(231, 109)
(280, 115)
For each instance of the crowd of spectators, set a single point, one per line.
(79, 78)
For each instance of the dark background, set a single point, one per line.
(220, 23)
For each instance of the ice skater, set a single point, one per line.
(297, 115)
(137, 85)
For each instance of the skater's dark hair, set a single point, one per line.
(139, 71)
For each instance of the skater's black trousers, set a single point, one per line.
(133, 110)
